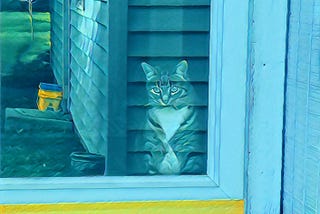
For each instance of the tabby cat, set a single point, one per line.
(171, 121)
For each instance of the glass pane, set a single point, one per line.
(168, 49)
(76, 103)
(167, 119)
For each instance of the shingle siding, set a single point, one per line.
(89, 67)
(57, 39)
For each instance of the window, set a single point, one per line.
(161, 34)
(109, 83)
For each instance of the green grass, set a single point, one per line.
(16, 44)
(24, 64)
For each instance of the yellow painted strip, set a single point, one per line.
(185, 207)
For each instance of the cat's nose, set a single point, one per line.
(165, 99)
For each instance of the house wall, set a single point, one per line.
(174, 31)
(57, 39)
(302, 125)
(263, 68)
(97, 67)
(98, 48)
(88, 64)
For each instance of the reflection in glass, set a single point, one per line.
(68, 110)
(34, 143)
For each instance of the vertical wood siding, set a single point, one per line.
(162, 33)
(302, 131)
(57, 40)
(266, 77)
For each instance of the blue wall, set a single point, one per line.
(88, 64)
(97, 103)
(302, 129)
(57, 40)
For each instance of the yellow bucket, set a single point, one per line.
(49, 97)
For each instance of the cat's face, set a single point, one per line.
(167, 88)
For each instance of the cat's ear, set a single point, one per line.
(150, 71)
(181, 69)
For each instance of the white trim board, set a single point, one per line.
(266, 75)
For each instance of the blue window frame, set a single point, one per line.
(226, 136)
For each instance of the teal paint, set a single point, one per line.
(60, 47)
(169, 36)
(168, 2)
(266, 69)
(230, 94)
(117, 95)
(98, 67)
(86, 95)
(57, 40)
(66, 57)
(302, 151)
(227, 90)
(170, 18)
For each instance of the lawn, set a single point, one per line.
(37, 148)
(16, 43)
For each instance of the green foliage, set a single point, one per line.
(16, 44)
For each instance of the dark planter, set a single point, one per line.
(87, 164)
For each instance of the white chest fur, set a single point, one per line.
(170, 119)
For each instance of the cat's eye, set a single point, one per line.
(174, 90)
(155, 90)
